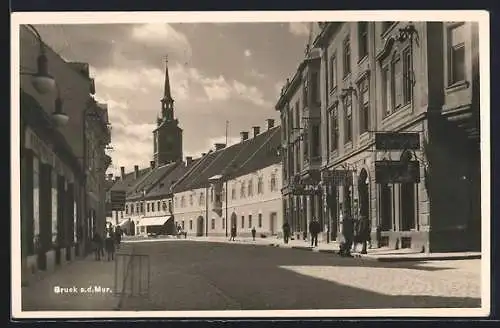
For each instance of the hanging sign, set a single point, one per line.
(397, 172)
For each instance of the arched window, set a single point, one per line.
(260, 185)
(242, 190)
(273, 182)
(250, 188)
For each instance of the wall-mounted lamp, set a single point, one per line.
(44, 83)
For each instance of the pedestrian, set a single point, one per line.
(286, 232)
(233, 233)
(118, 237)
(364, 232)
(254, 232)
(97, 245)
(109, 244)
(348, 234)
(356, 237)
(314, 229)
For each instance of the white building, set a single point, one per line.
(251, 170)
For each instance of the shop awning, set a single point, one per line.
(154, 221)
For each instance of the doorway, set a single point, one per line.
(407, 215)
(234, 224)
(385, 207)
(199, 226)
(273, 222)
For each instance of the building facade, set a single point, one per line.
(417, 85)
(241, 182)
(55, 226)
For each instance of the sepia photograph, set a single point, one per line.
(250, 164)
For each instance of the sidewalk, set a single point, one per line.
(86, 285)
(383, 254)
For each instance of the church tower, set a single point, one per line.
(168, 135)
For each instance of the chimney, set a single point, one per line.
(270, 123)
(189, 160)
(244, 135)
(110, 176)
(136, 171)
(219, 146)
(122, 170)
(152, 164)
(203, 154)
(256, 130)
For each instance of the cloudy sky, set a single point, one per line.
(218, 72)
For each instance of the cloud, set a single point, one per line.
(299, 29)
(256, 74)
(160, 35)
(250, 93)
(216, 89)
(247, 53)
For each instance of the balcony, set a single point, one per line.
(216, 185)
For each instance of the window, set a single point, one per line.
(183, 201)
(334, 128)
(386, 88)
(333, 72)
(131, 208)
(54, 207)
(347, 57)
(273, 182)
(182, 224)
(164, 205)
(170, 205)
(190, 224)
(36, 204)
(153, 207)
(260, 185)
(315, 90)
(121, 214)
(233, 193)
(347, 119)
(297, 115)
(260, 220)
(396, 83)
(223, 223)
(407, 77)
(242, 191)
(126, 209)
(158, 206)
(456, 55)
(305, 92)
(147, 207)
(363, 39)
(250, 188)
(250, 221)
(142, 207)
(316, 141)
(305, 140)
(242, 222)
(213, 224)
(364, 106)
(202, 199)
(191, 200)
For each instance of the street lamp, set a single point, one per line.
(44, 83)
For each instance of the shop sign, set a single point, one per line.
(397, 141)
(397, 172)
(40, 148)
(118, 198)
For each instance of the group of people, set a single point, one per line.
(233, 233)
(355, 231)
(109, 244)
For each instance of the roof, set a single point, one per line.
(129, 181)
(151, 179)
(236, 160)
(163, 187)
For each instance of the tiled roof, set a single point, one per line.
(162, 188)
(236, 160)
(129, 181)
(151, 179)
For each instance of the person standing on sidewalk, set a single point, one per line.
(109, 243)
(97, 243)
(314, 229)
(286, 232)
(348, 234)
(364, 232)
(254, 232)
(233, 233)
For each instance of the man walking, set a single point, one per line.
(233, 233)
(254, 232)
(348, 233)
(286, 232)
(314, 229)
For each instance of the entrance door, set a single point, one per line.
(273, 222)
(385, 208)
(407, 215)
(199, 226)
(234, 224)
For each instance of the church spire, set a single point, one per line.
(167, 102)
